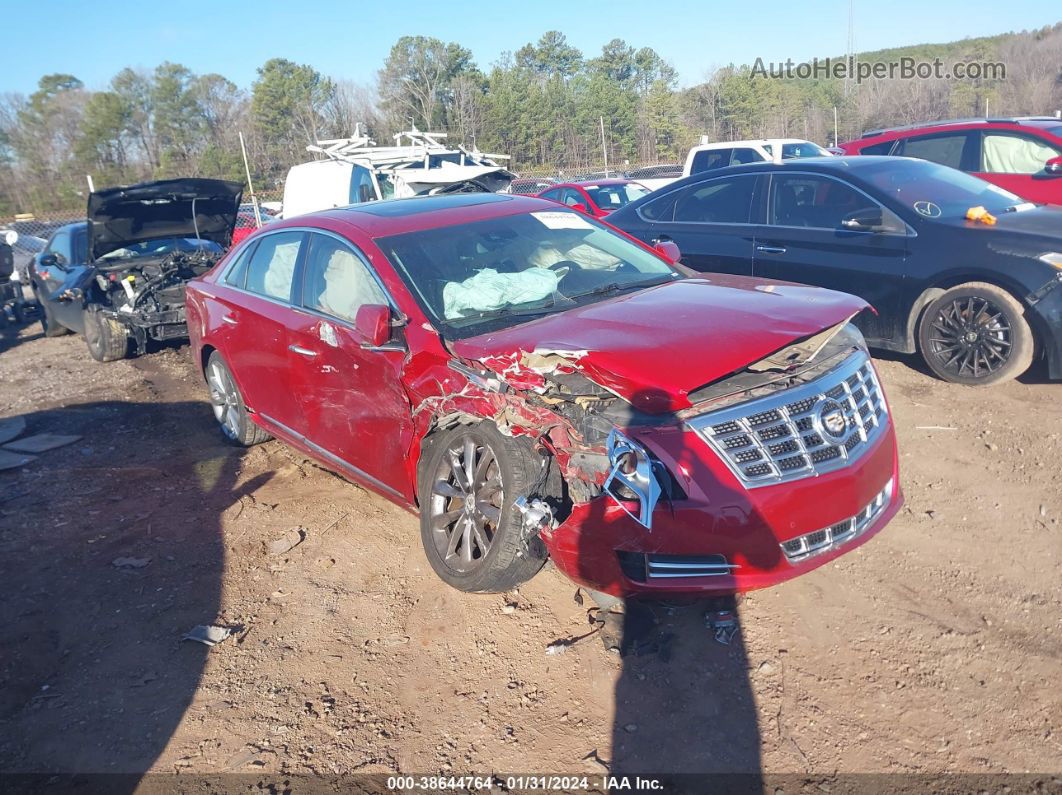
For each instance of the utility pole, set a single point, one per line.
(836, 136)
(604, 148)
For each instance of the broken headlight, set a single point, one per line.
(632, 477)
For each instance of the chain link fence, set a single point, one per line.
(35, 228)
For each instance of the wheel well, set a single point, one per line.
(930, 294)
(204, 357)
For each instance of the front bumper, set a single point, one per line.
(730, 535)
(1046, 307)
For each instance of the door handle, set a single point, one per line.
(232, 321)
(661, 239)
(302, 351)
(771, 249)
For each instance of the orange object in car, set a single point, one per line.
(980, 214)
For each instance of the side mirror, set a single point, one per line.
(373, 324)
(1054, 166)
(50, 260)
(579, 207)
(867, 220)
(668, 249)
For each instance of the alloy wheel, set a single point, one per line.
(224, 400)
(465, 507)
(971, 336)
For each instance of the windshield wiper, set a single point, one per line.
(613, 287)
(511, 311)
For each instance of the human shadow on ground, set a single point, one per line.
(111, 549)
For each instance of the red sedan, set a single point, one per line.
(597, 198)
(534, 383)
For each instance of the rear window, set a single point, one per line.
(877, 149)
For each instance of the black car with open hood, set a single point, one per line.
(139, 246)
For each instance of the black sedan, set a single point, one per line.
(976, 298)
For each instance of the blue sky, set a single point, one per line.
(349, 40)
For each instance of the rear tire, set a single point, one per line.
(106, 338)
(229, 409)
(478, 548)
(49, 325)
(976, 334)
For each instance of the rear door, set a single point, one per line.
(710, 222)
(356, 413)
(254, 301)
(1015, 161)
(804, 241)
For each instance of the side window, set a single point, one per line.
(60, 245)
(80, 246)
(877, 149)
(744, 154)
(237, 272)
(710, 159)
(944, 149)
(662, 209)
(572, 197)
(361, 187)
(1008, 153)
(336, 281)
(552, 195)
(721, 201)
(810, 201)
(272, 266)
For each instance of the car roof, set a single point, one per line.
(833, 164)
(751, 142)
(397, 216)
(1016, 122)
(592, 183)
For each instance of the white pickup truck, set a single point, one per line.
(708, 156)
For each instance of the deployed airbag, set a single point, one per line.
(489, 290)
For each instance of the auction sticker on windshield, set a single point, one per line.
(562, 220)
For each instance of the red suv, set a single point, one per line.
(1022, 155)
(534, 383)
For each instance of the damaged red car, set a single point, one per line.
(535, 384)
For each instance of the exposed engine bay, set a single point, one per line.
(148, 296)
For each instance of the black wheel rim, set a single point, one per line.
(465, 505)
(971, 337)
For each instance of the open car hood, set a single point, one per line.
(188, 207)
(654, 347)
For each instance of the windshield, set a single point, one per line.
(498, 272)
(159, 248)
(612, 197)
(935, 191)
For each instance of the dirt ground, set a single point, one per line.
(936, 647)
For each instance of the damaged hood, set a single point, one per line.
(170, 208)
(655, 347)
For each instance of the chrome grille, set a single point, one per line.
(819, 541)
(662, 567)
(796, 433)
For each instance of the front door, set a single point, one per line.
(805, 241)
(68, 246)
(356, 412)
(1015, 161)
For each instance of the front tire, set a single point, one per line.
(229, 409)
(976, 334)
(471, 534)
(106, 338)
